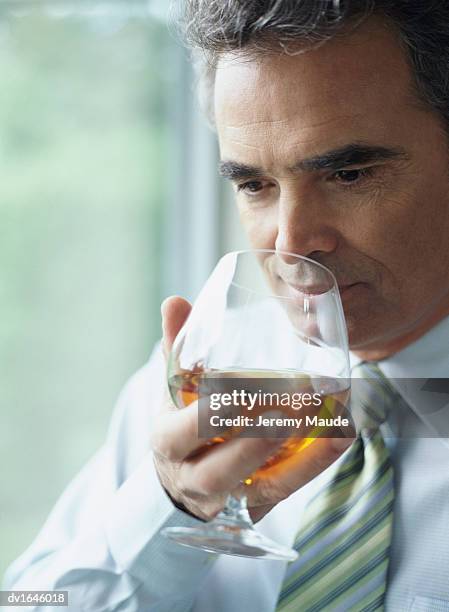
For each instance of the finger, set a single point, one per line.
(175, 311)
(175, 435)
(300, 468)
(223, 467)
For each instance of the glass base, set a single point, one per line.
(222, 536)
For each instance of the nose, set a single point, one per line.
(303, 228)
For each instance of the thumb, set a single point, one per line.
(175, 311)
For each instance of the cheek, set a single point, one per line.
(400, 237)
(408, 235)
(260, 226)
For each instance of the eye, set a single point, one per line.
(250, 187)
(348, 177)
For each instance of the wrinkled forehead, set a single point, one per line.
(356, 71)
(352, 87)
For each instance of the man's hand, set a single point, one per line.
(200, 478)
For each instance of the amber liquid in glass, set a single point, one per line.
(333, 394)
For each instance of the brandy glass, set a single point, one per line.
(275, 319)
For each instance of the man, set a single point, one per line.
(332, 123)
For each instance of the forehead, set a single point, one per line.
(359, 83)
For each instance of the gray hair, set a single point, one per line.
(213, 27)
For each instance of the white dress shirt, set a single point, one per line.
(102, 540)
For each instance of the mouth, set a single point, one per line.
(319, 289)
(306, 289)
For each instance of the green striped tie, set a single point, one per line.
(345, 534)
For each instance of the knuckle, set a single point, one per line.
(208, 483)
(255, 451)
(169, 452)
(162, 446)
(183, 491)
(206, 510)
(186, 488)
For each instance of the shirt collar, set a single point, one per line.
(409, 369)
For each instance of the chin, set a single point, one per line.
(369, 319)
(377, 337)
(369, 332)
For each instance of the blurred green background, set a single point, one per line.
(86, 166)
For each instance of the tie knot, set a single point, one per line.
(372, 396)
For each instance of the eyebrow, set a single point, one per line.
(337, 159)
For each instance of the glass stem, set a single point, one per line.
(235, 512)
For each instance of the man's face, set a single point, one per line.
(333, 157)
